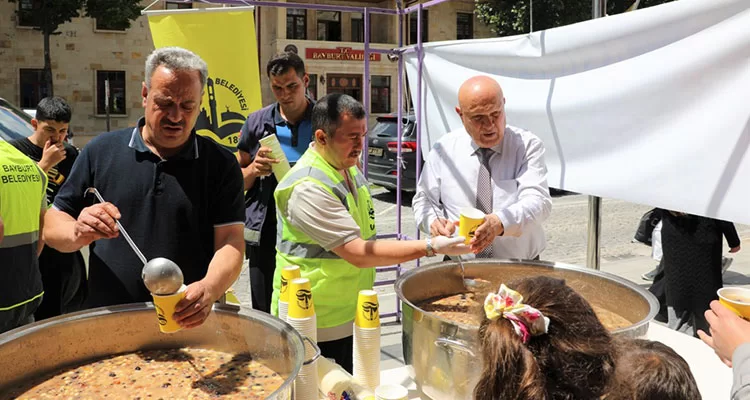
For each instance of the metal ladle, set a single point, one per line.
(469, 284)
(161, 275)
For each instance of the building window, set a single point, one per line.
(329, 26)
(296, 24)
(173, 5)
(116, 92)
(110, 26)
(33, 88)
(413, 27)
(358, 28)
(380, 87)
(312, 87)
(27, 13)
(464, 26)
(346, 84)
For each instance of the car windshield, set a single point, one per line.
(386, 127)
(12, 125)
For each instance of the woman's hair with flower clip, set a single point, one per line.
(573, 360)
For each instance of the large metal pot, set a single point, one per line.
(76, 338)
(444, 354)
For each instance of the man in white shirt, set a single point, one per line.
(496, 168)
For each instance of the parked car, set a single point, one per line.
(14, 123)
(383, 146)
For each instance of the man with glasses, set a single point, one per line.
(497, 168)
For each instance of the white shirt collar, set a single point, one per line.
(498, 148)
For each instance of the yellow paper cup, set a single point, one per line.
(300, 299)
(367, 314)
(164, 305)
(469, 220)
(736, 299)
(287, 274)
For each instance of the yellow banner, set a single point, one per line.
(226, 41)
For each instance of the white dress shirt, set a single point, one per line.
(520, 193)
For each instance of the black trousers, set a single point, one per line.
(19, 316)
(658, 289)
(262, 263)
(341, 351)
(64, 281)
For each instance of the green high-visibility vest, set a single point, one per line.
(335, 282)
(23, 187)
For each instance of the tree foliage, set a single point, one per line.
(47, 15)
(511, 17)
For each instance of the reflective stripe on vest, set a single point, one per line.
(19, 239)
(251, 235)
(339, 189)
(22, 303)
(335, 282)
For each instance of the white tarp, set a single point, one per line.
(651, 106)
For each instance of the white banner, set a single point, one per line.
(650, 106)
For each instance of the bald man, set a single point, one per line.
(489, 165)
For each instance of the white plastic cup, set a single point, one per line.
(391, 392)
(306, 383)
(306, 327)
(283, 310)
(366, 357)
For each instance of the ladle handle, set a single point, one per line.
(458, 257)
(122, 230)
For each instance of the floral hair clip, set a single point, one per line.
(507, 303)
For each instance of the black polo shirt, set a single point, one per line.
(169, 207)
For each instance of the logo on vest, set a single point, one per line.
(303, 298)
(370, 311)
(371, 214)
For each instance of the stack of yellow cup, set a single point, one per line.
(301, 317)
(165, 305)
(287, 274)
(366, 355)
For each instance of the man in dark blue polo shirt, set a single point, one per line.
(289, 119)
(178, 194)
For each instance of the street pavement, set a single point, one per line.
(566, 231)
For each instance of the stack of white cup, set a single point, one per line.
(366, 355)
(287, 274)
(302, 318)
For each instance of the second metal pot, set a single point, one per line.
(445, 354)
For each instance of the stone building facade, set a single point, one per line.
(85, 55)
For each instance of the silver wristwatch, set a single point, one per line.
(430, 250)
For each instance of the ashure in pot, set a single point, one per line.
(74, 339)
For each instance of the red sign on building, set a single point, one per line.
(339, 54)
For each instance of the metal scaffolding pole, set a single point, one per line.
(593, 256)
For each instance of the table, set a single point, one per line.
(713, 377)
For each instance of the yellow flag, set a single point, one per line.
(226, 41)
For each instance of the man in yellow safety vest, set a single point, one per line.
(23, 201)
(327, 225)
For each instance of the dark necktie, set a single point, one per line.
(484, 191)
